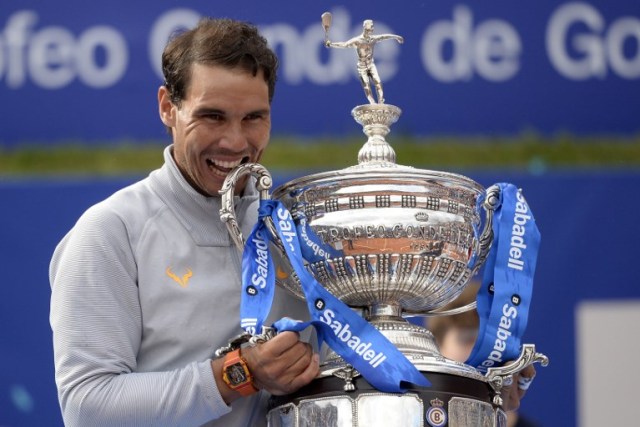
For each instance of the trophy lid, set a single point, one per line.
(376, 160)
(353, 175)
(377, 164)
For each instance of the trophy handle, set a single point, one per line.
(227, 211)
(439, 312)
(483, 245)
(264, 182)
(498, 376)
(491, 202)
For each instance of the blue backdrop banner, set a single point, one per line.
(90, 71)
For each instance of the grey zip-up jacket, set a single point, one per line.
(144, 288)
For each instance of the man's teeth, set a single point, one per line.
(224, 164)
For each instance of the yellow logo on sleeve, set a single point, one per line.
(182, 281)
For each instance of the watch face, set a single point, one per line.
(236, 374)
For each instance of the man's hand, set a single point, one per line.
(283, 364)
(512, 394)
(280, 365)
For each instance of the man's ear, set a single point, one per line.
(166, 108)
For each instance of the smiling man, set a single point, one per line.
(147, 283)
(224, 121)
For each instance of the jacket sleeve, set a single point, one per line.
(96, 321)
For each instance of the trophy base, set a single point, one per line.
(451, 400)
(459, 395)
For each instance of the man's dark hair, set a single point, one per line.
(222, 42)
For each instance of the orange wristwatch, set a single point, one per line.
(236, 374)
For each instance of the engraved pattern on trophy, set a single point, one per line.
(400, 245)
(470, 412)
(394, 241)
(313, 414)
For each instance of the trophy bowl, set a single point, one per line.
(392, 235)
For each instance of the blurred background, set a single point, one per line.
(544, 94)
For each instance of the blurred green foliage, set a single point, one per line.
(525, 152)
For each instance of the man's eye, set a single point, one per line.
(211, 115)
(251, 117)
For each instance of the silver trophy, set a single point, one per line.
(406, 242)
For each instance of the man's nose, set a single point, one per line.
(234, 137)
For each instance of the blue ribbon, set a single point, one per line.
(348, 334)
(258, 280)
(505, 295)
(312, 247)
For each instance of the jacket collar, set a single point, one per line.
(200, 215)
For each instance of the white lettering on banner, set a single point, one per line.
(354, 342)
(317, 250)
(259, 279)
(303, 54)
(518, 244)
(249, 324)
(579, 55)
(492, 49)
(580, 45)
(116, 56)
(286, 227)
(502, 335)
(15, 40)
(52, 57)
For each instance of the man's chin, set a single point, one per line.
(214, 184)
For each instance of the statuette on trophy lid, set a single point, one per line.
(363, 44)
(375, 117)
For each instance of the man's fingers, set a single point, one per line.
(524, 380)
(529, 371)
(308, 374)
(301, 379)
(516, 386)
(281, 343)
(282, 364)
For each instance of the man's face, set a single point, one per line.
(223, 121)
